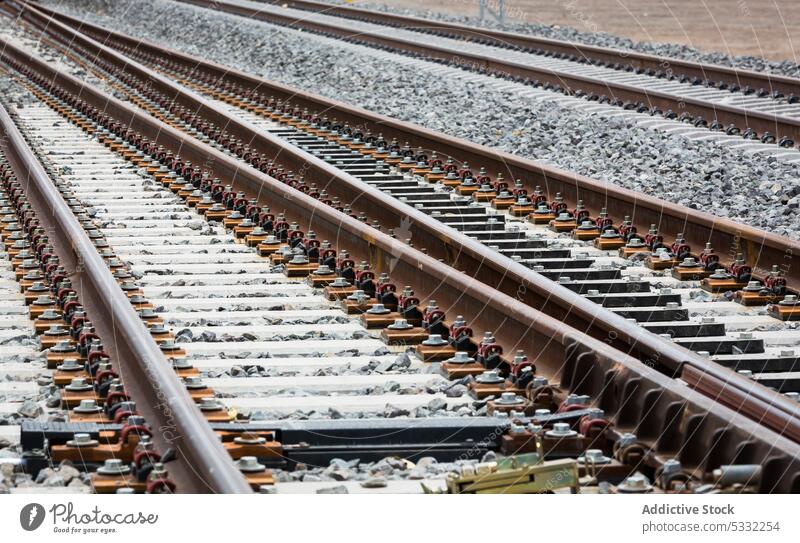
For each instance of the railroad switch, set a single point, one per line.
(405, 160)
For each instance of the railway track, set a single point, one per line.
(81, 363)
(768, 353)
(293, 369)
(758, 107)
(722, 76)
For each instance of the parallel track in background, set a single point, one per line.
(768, 112)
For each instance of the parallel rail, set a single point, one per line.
(779, 126)
(621, 58)
(461, 252)
(175, 420)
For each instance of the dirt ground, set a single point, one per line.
(768, 28)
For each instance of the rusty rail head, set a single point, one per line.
(732, 396)
(713, 72)
(202, 463)
(448, 244)
(691, 424)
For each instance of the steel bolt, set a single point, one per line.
(561, 430)
(594, 456)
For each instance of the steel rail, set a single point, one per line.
(606, 55)
(671, 417)
(778, 125)
(760, 248)
(460, 251)
(202, 463)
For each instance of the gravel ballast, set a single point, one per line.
(753, 190)
(788, 68)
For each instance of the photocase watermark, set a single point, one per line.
(64, 518)
(31, 516)
(403, 234)
(584, 19)
(168, 428)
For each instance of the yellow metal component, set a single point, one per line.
(525, 474)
